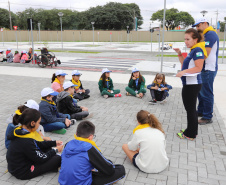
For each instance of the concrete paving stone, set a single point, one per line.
(172, 180)
(208, 181)
(202, 172)
(132, 175)
(222, 182)
(160, 182)
(157, 176)
(182, 179)
(31, 182)
(192, 175)
(133, 183)
(196, 183)
(146, 180)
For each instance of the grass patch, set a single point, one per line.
(222, 48)
(65, 51)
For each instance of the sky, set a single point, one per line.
(147, 7)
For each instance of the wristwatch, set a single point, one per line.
(56, 150)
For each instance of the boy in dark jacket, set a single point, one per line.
(52, 120)
(82, 161)
(67, 105)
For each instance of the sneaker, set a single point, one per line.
(138, 96)
(118, 95)
(128, 94)
(163, 101)
(105, 96)
(61, 131)
(73, 121)
(204, 121)
(153, 102)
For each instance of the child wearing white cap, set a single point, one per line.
(67, 105)
(13, 121)
(80, 92)
(2, 56)
(136, 86)
(106, 85)
(52, 120)
(9, 56)
(58, 80)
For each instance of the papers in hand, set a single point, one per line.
(191, 74)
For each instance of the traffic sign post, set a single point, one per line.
(2, 37)
(15, 28)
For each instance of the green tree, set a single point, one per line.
(112, 16)
(4, 18)
(173, 18)
(222, 25)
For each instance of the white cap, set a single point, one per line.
(106, 70)
(1, 50)
(200, 20)
(76, 73)
(48, 91)
(8, 49)
(135, 70)
(60, 72)
(68, 84)
(24, 51)
(32, 104)
(35, 52)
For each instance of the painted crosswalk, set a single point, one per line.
(101, 62)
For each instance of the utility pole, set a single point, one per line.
(216, 18)
(10, 19)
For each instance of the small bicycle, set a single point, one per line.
(47, 58)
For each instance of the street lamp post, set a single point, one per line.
(93, 30)
(224, 43)
(61, 15)
(204, 12)
(127, 33)
(163, 30)
(39, 31)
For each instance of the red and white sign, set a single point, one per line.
(15, 27)
(110, 33)
(1, 29)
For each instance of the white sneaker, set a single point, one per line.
(163, 101)
(105, 96)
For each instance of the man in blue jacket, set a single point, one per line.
(52, 120)
(83, 163)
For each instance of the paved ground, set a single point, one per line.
(198, 162)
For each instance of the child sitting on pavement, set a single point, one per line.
(52, 120)
(146, 150)
(83, 163)
(136, 86)
(159, 89)
(106, 85)
(80, 92)
(16, 58)
(28, 156)
(13, 121)
(67, 105)
(9, 56)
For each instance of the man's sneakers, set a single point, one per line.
(204, 121)
(153, 102)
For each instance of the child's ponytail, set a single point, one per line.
(144, 117)
(53, 77)
(17, 116)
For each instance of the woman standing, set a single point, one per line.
(191, 79)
